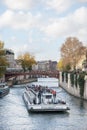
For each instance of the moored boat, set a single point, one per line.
(43, 99)
(4, 89)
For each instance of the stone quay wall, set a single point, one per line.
(73, 90)
(23, 81)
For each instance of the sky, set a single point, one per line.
(40, 27)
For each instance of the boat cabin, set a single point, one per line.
(47, 98)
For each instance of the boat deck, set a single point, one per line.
(41, 101)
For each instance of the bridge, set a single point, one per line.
(31, 74)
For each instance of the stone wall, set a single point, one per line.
(24, 81)
(73, 90)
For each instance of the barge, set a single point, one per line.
(43, 99)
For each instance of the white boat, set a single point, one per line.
(4, 89)
(44, 101)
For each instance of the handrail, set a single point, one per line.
(30, 89)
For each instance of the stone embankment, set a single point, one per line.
(18, 82)
(73, 90)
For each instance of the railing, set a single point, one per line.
(31, 74)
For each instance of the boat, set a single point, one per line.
(43, 99)
(4, 89)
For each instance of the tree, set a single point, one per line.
(60, 65)
(67, 67)
(86, 60)
(3, 61)
(27, 60)
(71, 51)
(63, 67)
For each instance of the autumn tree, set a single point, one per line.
(60, 65)
(26, 60)
(63, 67)
(3, 61)
(71, 51)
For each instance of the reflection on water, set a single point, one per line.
(14, 115)
(83, 104)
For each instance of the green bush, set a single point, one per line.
(62, 76)
(81, 83)
(66, 77)
(76, 80)
(72, 79)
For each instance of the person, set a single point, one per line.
(39, 96)
(54, 95)
(34, 100)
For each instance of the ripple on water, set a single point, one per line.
(14, 115)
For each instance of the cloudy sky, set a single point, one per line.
(41, 26)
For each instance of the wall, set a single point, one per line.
(73, 90)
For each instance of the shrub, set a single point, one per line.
(81, 83)
(62, 76)
(66, 77)
(76, 80)
(72, 79)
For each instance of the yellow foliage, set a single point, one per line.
(71, 51)
(3, 61)
(60, 65)
(1, 45)
(27, 60)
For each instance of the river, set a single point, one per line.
(14, 115)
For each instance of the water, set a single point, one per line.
(14, 115)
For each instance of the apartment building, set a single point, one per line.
(10, 58)
(13, 64)
(47, 65)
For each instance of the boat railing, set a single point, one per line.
(30, 89)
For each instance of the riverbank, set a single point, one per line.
(18, 82)
(73, 89)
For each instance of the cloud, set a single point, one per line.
(21, 4)
(59, 5)
(83, 1)
(72, 24)
(62, 6)
(82, 34)
(19, 20)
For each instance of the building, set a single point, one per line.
(47, 65)
(10, 58)
(14, 65)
